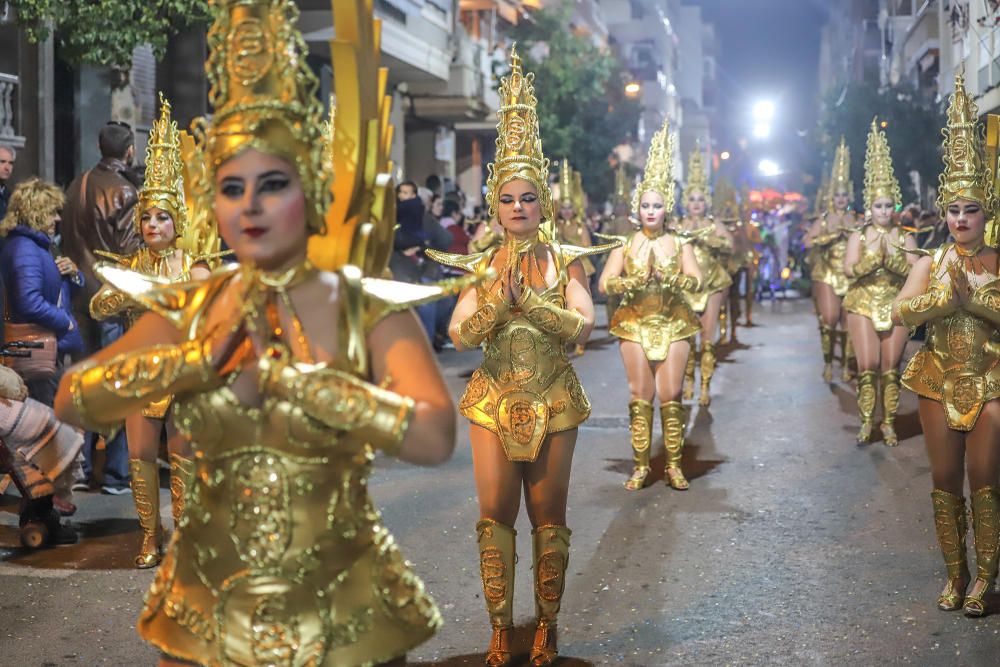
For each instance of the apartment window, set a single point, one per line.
(988, 73)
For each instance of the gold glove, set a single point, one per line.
(719, 243)
(985, 303)
(866, 264)
(682, 282)
(619, 285)
(104, 394)
(925, 307)
(341, 401)
(826, 239)
(565, 323)
(897, 263)
(492, 315)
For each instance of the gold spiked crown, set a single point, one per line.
(621, 185)
(697, 178)
(579, 196)
(518, 146)
(840, 174)
(264, 96)
(880, 179)
(163, 186)
(658, 176)
(567, 183)
(725, 194)
(966, 173)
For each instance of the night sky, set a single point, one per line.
(769, 49)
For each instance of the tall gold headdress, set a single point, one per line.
(263, 95)
(659, 173)
(621, 186)
(880, 179)
(966, 172)
(697, 177)
(725, 195)
(579, 196)
(164, 183)
(565, 181)
(518, 147)
(840, 174)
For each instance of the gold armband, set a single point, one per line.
(562, 322)
(343, 402)
(682, 282)
(104, 394)
(923, 308)
(492, 315)
(108, 302)
(619, 285)
(985, 303)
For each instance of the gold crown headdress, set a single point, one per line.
(697, 178)
(518, 146)
(658, 176)
(163, 186)
(567, 183)
(824, 196)
(840, 174)
(621, 185)
(264, 96)
(579, 196)
(725, 194)
(966, 172)
(880, 179)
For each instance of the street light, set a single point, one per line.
(633, 88)
(762, 130)
(763, 111)
(769, 168)
(724, 155)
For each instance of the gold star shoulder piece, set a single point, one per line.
(124, 260)
(469, 263)
(571, 253)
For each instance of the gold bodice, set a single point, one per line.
(827, 261)
(281, 557)
(655, 315)
(959, 363)
(713, 262)
(871, 295)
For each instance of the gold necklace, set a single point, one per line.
(262, 288)
(969, 253)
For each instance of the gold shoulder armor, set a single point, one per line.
(570, 253)
(622, 240)
(468, 263)
(123, 260)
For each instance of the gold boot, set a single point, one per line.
(986, 528)
(672, 421)
(496, 567)
(689, 373)
(866, 404)
(181, 474)
(640, 418)
(734, 316)
(550, 545)
(890, 405)
(707, 371)
(724, 325)
(146, 493)
(846, 357)
(951, 526)
(826, 335)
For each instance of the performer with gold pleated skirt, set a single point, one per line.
(161, 219)
(712, 245)
(654, 321)
(955, 291)
(876, 264)
(827, 242)
(525, 401)
(619, 225)
(740, 264)
(571, 225)
(286, 376)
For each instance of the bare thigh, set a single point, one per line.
(637, 370)
(546, 480)
(143, 435)
(982, 448)
(670, 372)
(498, 481)
(892, 345)
(176, 442)
(710, 318)
(945, 448)
(867, 346)
(828, 304)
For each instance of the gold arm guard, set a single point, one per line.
(619, 285)
(928, 306)
(108, 302)
(562, 322)
(985, 303)
(869, 262)
(896, 262)
(684, 283)
(492, 315)
(104, 394)
(341, 401)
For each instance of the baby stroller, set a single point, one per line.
(36, 451)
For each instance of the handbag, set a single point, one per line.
(41, 364)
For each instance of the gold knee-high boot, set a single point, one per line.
(724, 324)
(890, 405)
(689, 373)
(707, 371)
(867, 397)
(550, 545)
(496, 567)
(640, 424)
(951, 526)
(846, 357)
(826, 335)
(146, 493)
(986, 529)
(181, 474)
(672, 420)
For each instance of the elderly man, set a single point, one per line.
(7, 157)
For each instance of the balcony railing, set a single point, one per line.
(8, 126)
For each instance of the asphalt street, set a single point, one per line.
(792, 547)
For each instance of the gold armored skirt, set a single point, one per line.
(828, 267)
(714, 278)
(872, 297)
(654, 320)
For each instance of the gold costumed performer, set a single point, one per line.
(827, 242)
(712, 245)
(740, 262)
(571, 225)
(525, 401)
(956, 374)
(161, 220)
(286, 377)
(655, 321)
(877, 267)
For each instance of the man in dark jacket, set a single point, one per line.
(7, 157)
(100, 215)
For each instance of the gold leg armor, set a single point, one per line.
(640, 424)
(181, 474)
(826, 335)
(146, 493)
(724, 324)
(986, 528)
(496, 567)
(689, 373)
(846, 357)
(748, 297)
(551, 551)
(951, 526)
(890, 405)
(867, 396)
(707, 371)
(672, 419)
